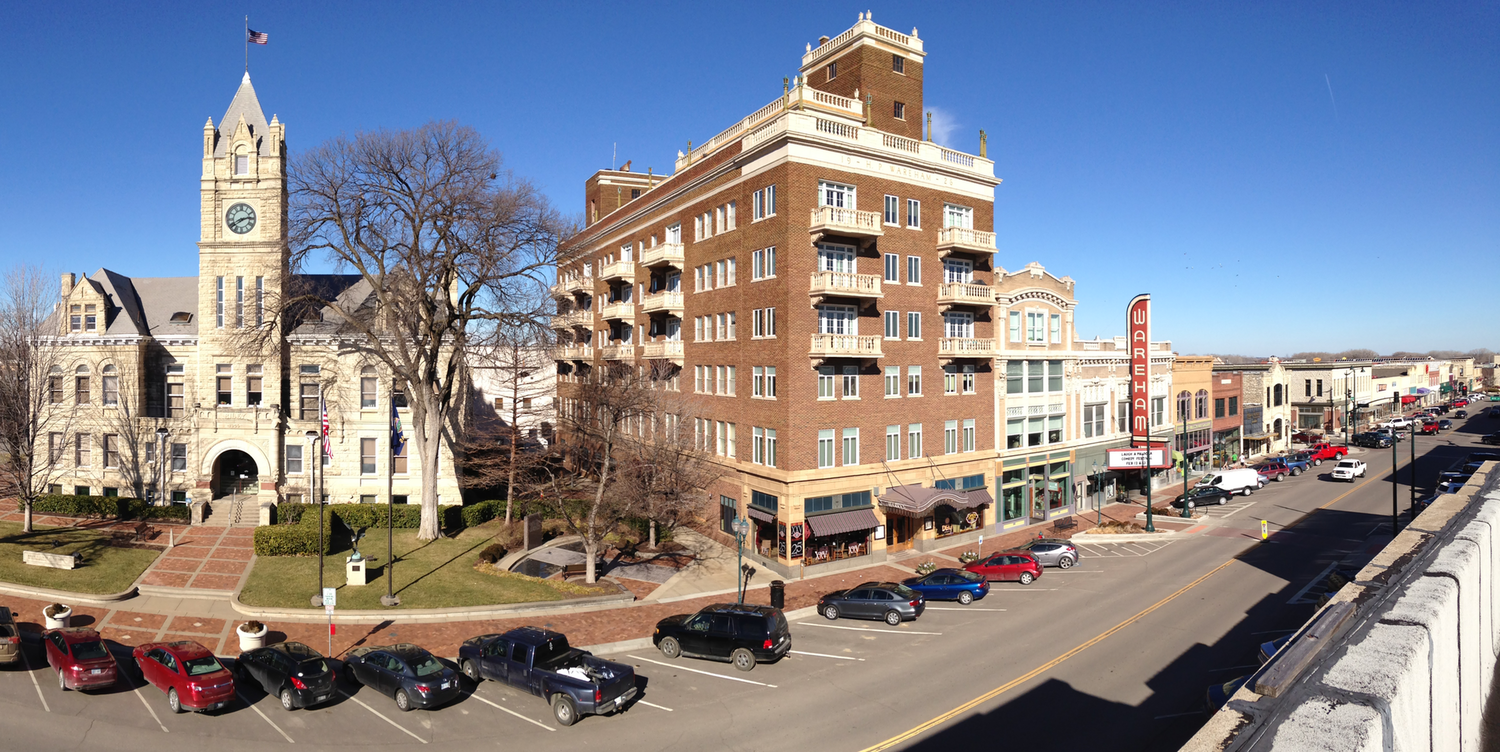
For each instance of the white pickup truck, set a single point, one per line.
(1397, 423)
(1349, 470)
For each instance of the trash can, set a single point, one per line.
(778, 594)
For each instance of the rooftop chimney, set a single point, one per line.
(822, 40)
(626, 167)
(69, 281)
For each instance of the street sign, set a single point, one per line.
(1136, 459)
(330, 598)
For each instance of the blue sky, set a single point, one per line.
(1280, 176)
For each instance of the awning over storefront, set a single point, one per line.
(842, 522)
(1420, 390)
(757, 514)
(917, 501)
(1407, 399)
(1257, 436)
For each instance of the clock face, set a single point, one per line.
(240, 218)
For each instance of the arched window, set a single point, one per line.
(81, 385)
(109, 384)
(1276, 396)
(367, 388)
(1200, 408)
(1184, 404)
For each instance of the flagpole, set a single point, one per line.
(389, 599)
(247, 44)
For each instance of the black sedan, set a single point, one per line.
(1490, 438)
(406, 672)
(1461, 413)
(1202, 496)
(290, 671)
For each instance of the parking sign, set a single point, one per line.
(330, 597)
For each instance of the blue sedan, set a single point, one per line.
(951, 585)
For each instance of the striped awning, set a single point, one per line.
(917, 501)
(757, 514)
(842, 522)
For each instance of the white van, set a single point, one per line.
(1244, 481)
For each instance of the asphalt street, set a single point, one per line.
(1115, 653)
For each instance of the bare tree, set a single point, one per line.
(670, 468)
(500, 448)
(34, 424)
(446, 241)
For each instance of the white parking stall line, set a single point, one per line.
(476, 696)
(265, 718)
(382, 717)
(661, 707)
(696, 671)
(1235, 512)
(825, 655)
(864, 629)
(22, 650)
(960, 608)
(1300, 598)
(137, 692)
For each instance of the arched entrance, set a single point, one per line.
(235, 472)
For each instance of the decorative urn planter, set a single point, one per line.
(252, 635)
(57, 615)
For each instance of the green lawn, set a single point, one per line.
(436, 574)
(105, 569)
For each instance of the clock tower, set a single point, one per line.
(242, 246)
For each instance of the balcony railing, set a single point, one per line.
(966, 347)
(666, 254)
(621, 310)
(827, 220)
(574, 352)
(578, 284)
(671, 350)
(618, 352)
(571, 319)
(845, 346)
(663, 301)
(618, 270)
(952, 239)
(844, 284)
(966, 294)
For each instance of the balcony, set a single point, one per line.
(827, 220)
(950, 348)
(618, 352)
(663, 302)
(844, 285)
(624, 270)
(574, 352)
(844, 346)
(963, 240)
(575, 285)
(621, 310)
(580, 318)
(669, 350)
(964, 294)
(666, 254)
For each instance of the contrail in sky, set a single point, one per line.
(1330, 96)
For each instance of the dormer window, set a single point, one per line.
(90, 319)
(75, 318)
(241, 164)
(181, 317)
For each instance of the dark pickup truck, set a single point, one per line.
(572, 681)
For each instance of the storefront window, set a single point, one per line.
(1057, 485)
(727, 512)
(837, 502)
(950, 521)
(1014, 500)
(763, 500)
(821, 549)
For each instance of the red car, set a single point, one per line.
(1007, 566)
(190, 675)
(80, 659)
(1428, 428)
(1304, 437)
(1326, 451)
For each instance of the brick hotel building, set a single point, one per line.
(826, 279)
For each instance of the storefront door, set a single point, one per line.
(902, 530)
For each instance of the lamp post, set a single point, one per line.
(1412, 477)
(1185, 512)
(161, 487)
(1395, 460)
(315, 438)
(1098, 495)
(741, 529)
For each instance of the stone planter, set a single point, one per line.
(57, 618)
(251, 640)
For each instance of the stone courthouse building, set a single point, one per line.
(170, 395)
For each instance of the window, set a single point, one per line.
(1158, 411)
(1015, 326)
(83, 449)
(914, 325)
(1034, 331)
(899, 111)
(728, 381)
(914, 441)
(1307, 383)
(1014, 375)
(1054, 429)
(1218, 407)
(224, 381)
(1055, 327)
(851, 447)
(913, 381)
(1234, 406)
(825, 382)
(836, 195)
(174, 399)
(763, 203)
(913, 270)
(219, 302)
(950, 380)
(309, 401)
(398, 395)
(757, 381)
(1200, 404)
(253, 385)
(1122, 416)
(968, 434)
(1276, 395)
(892, 267)
(966, 378)
(1184, 405)
(913, 214)
(892, 210)
(81, 386)
(294, 459)
(893, 325)
(241, 164)
(838, 319)
(950, 437)
(825, 448)
(367, 456)
(1035, 431)
(958, 325)
(75, 319)
(763, 323)
(111, 450)
(239, 302)
(1054, 376)
(837, 501)
(1015, 431)
(770, 447)
(851, 382)
(1320, 388)
(367, 388)
(763, 263)
(833, 70)
(110, 385)
(55, 388)
(893, 381)
(1035, 375)
(728, 513)
(1093, 420)
(54, 448)
(892, 443)
(958, 270)
(958, 216)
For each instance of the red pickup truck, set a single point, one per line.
(1326, 451)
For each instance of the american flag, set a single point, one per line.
(258, 37)
(323, 410)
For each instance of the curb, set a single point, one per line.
(465, 613)
(1122, 537)
(65, 596)
(161, 591)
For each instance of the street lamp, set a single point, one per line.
(741, 529)
(1098, 495)
(1185, 511)
(316, 438)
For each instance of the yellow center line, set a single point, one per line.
(1049, 665)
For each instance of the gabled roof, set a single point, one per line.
(245, 104)
(351, 291)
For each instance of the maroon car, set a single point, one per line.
(190, 675)
(80, 659)
(1007, 566)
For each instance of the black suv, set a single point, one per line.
(1371, 439)
(739, 633)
